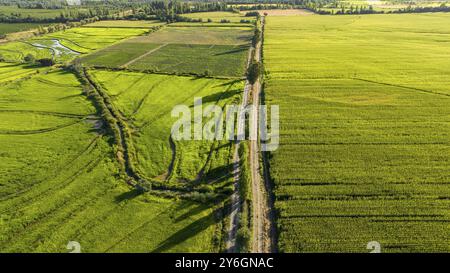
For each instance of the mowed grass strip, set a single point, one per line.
(364, 131)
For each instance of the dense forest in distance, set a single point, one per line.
(20, 11)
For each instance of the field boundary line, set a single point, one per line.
(41, 131)
(143, 56)
(404, 87)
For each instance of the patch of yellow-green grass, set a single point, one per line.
(199, 35)
(364, 149)
(64, 184)
(125, 24)
(217, 16)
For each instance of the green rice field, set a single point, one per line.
(364, 131)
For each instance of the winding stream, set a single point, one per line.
(56, 47)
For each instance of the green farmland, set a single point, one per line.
(34, 13)
(147, 100)
(92, 105)
(125, 24)
(217, 17)
(6, 28)
(60, 181)
(72, 43)
(364, 131)
(177, 50)
(62, 177)
(217, 60)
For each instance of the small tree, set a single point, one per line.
(29, 59)
(254, 71)
(46, 62)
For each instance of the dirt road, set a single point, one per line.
(263, 229)
(235, 197)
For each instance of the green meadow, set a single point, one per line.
(60, 177)
(364, 131)
(125, 24)
(61, 182)
(73, 42)
(147, 100)
(6, 28)
(218, 16)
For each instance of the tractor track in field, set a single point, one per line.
(143, 56)
(28, 199)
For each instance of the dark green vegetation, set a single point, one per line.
(6, 28)
(364, 130)
(177, 50)
(118, 55)
(215, 60)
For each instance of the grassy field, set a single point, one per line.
(199, 35)
(78, 40)
(364, 131)
(60, 181)
(89, 39)
(16, 51)
(147, 100)
(34, 13)
(125, 24)
(212, 24)
(223, 52)
(118, 55)
(6, 28)
(217, 16)
(216, 60)
(11, 72)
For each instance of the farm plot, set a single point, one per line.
(147, 101)
(124, 24)
(60, 181)
(205, 51)
(217, 60)
(218, 16)
(10, 72)
(364, 131)
(66, 45)
(94, 38)
(36, 13)
(199, 35)
(118, 55)
(16, 51)
(6, 28)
